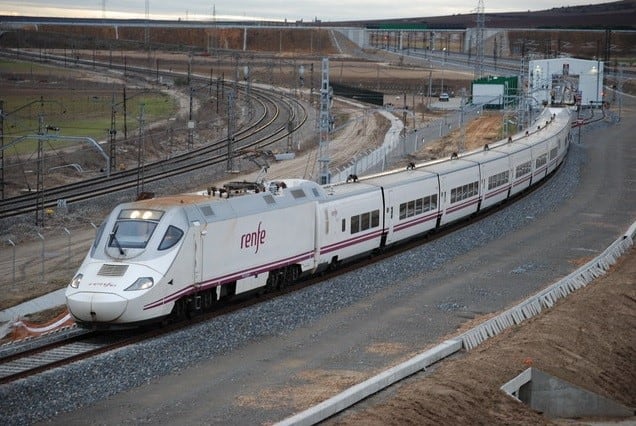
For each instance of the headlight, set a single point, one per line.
(75, 282)
(142, 283)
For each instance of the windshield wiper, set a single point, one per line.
(113, 239)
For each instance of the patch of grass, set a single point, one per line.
(42, 99)
(78, 114)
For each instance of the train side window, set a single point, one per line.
(402, 211)
(344, 225)
(365, 221)
(170, 238)
(355, 224)
(375, 218)
(419, 208)
(410, 208)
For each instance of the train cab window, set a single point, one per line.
(170, 238)
(98, 237)
(131, 233)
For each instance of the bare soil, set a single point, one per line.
(587, 339)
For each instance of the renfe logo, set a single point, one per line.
(253, 238)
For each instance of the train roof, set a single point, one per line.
(447, 166)
(484, 155)
(348, 189)
(394, 178)
(211, 206)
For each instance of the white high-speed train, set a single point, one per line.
(183, 253)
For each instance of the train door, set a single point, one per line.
(197, 258)
(387, 216)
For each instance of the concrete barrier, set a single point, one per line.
(546, 298)
(362, 390)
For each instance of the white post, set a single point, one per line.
(13, 247)
(42, 257)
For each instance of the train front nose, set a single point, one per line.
(96, 307)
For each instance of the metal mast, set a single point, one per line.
(230, 132)
(325, 124)
(481, 24)
(1, 149)
(112, 136)
(147, 29)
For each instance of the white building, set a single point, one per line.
(566, 80)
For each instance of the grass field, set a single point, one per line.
(41, 99)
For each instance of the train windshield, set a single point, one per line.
(134, 228)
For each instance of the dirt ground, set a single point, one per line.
(588, 339)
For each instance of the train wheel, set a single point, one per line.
(179, 309)
(272, 282)
(297, 272)
(209, 298)
(282, 278)
(293, 272)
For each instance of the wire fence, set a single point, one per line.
(401, 142)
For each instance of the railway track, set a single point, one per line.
(270, 126)
(69, 347)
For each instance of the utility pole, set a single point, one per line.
(140, 152)
(39, 205)
(1, 150)
(125, 117)
(112, 133)
(325, 124)
(190, 123)
(481, 24)
(230, 132)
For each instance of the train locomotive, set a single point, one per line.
(171, 256)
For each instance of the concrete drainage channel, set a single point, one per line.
(557, 398)
(532, 306)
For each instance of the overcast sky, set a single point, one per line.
(307, 10)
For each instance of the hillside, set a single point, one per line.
(612, 15)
